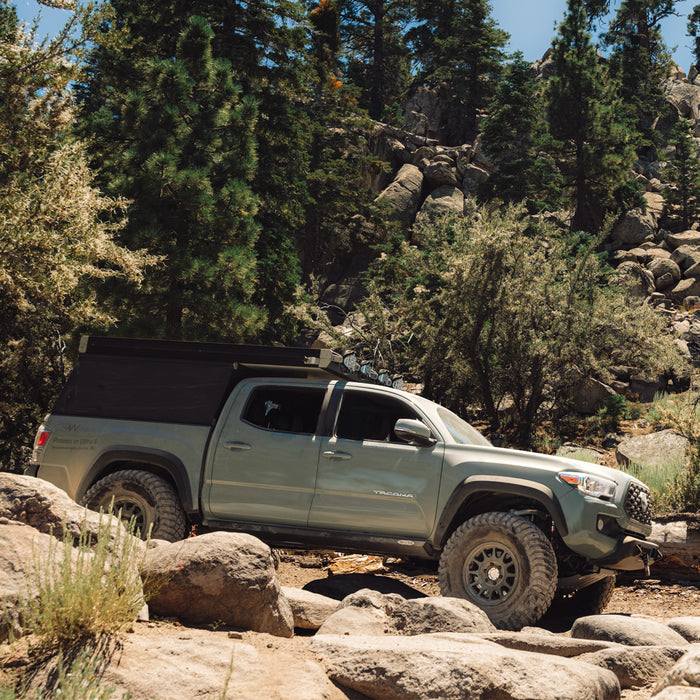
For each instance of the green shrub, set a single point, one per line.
(85, 590)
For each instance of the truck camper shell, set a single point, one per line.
(180, 381)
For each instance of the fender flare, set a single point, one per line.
(498, 485)
(163, 461)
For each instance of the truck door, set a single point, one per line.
(370, 481)
(266, 455)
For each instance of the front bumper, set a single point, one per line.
(631, 554)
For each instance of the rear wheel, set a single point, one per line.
(502, 563)
(147, 500)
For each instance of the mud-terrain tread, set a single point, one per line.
(537, 561)
(170, 519)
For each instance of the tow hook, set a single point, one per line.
(645, 560)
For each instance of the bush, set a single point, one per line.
(86, 590)
(497, 305)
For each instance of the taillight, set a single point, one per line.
(42, 437)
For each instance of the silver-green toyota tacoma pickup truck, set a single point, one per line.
(306, 448)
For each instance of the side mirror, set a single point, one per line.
(414, 432)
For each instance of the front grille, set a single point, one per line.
(638, 503)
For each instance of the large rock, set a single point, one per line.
(222, 577)
(473, 177)
(457, 666)
(635, 666)
(686, 256)
(662, 266)
(371, 613)
(677, 692)
(175, 663)
(636, 226)
(20, 547)
(45, 507)
(687, 627)
(310, 610)
(441, 201)
(684, 96)
(676, 240)
(422, 113)
(590, 394)
(635, 279)
(440, 173)
(685, 288)
(427, 615)
(653, 449)
(404, 193)
(631, 631)
(685, 673)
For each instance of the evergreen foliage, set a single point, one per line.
(694, 31)
(56, 249)
(376, 52)
(265, 43)
(684, 171)
(641, 61)
(188, 156)
(459, 50)
(592, 142)
(513, 138)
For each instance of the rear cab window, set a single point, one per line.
(284, 409)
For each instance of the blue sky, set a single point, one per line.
(531, 24)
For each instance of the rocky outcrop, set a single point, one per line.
(220, 576)
(456, 666)
(310, 610)
(33, 515)
(403, 195)
(369, 613)
(631, 631)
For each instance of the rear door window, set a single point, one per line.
(285, 409)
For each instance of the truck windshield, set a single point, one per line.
(461, 432)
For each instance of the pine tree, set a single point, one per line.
(683, 171)
(265, 42)
(512, 137)
(592, 142)
(340, 214)
(376, 53)
(460, 51)
(641, 61)
(694, 32)
(188, 157)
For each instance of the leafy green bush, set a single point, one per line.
(87, 590)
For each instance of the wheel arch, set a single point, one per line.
(482, 494)
(159, 462)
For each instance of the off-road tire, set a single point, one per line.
(149, 499)
(502, 563)
(591, 600)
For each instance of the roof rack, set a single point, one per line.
(318, 362)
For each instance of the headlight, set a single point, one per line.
(589, 484)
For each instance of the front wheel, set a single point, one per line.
(147, 500)
(502, 563)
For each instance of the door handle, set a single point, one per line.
(237, 446)
(337, 455)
